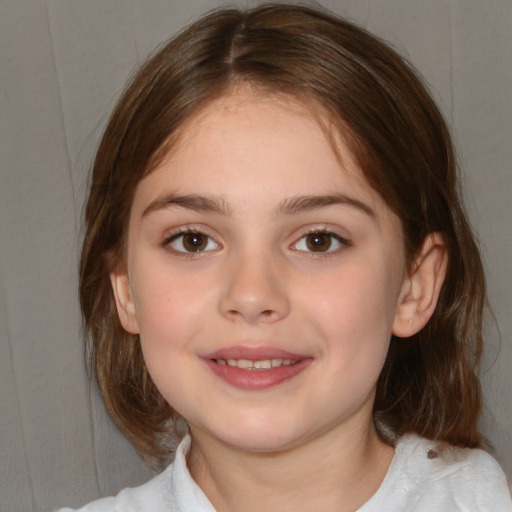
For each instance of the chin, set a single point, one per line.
(261, 444)
(260, 437)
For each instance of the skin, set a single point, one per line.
(308, 443)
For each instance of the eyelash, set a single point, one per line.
(343, 242)
(168, 241)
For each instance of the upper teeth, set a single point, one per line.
(260, 364)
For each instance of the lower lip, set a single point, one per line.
(256, 380)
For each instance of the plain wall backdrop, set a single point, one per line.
(63, 64)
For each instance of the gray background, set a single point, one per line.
(62, 66)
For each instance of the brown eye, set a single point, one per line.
(192, 241)
(318, 242)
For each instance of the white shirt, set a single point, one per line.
(423, 477)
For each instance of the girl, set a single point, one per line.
(278, 272)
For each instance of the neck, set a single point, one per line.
(334, 471)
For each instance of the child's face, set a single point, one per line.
(252, 242)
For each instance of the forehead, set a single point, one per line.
(250, 142)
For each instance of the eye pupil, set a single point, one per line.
(194, 242)
(318, 242)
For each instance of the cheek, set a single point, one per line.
(170, 308)
(354, 312)
(358, 297)
(170, 313)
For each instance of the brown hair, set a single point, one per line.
(429, 384)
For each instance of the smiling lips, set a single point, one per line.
(262, 364)
(256, 369)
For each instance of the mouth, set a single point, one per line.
(255, 369)
(256, 365)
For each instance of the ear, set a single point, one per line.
(124, 300)
(422, 287)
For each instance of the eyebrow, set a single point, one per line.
(300, 204)
(290, 206)
(193, 202)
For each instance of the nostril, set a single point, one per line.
(266, 312)
(253, 304)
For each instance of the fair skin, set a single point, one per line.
(265, 278)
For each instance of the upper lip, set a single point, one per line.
(254, 353)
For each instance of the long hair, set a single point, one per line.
(429, 383)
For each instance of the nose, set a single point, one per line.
(255, 291)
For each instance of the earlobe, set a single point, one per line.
(421, 288)
(124, 300)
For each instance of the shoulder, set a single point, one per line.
(438, 459)
(174, 490)
(428, 475)
(151, 496)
